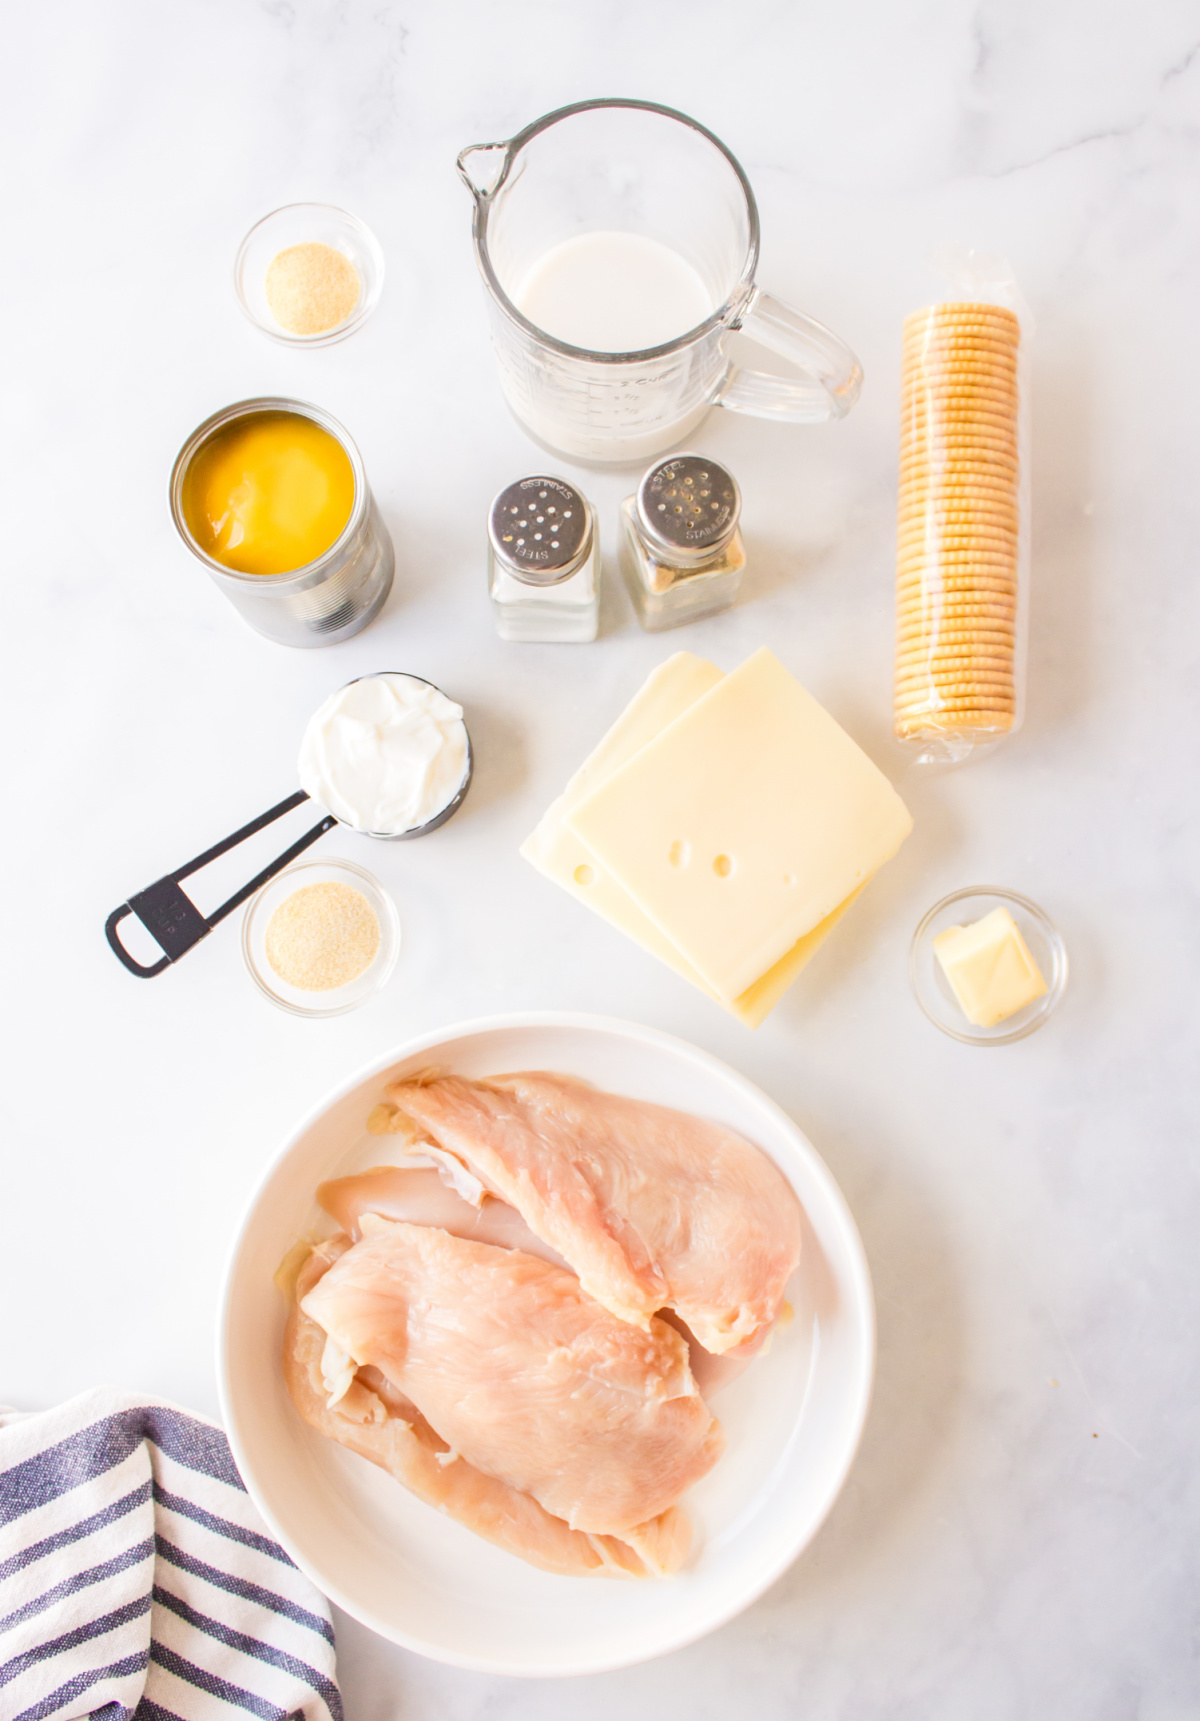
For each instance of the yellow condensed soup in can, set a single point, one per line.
(268, 493)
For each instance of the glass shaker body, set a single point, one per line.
(544, 563)
(680, 551)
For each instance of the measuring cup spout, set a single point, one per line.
(501, 158)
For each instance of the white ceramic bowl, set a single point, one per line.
(793, 1420)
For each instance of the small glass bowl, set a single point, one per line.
(296, 224)
(342, 998)
(933, 992)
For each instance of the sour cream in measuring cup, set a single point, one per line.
(386, 754)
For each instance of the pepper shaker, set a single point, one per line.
(681, 551)
(544, 562)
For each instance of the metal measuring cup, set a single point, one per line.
(172, 918)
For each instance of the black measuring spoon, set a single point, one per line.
(172, 918)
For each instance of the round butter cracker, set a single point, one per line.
(977, 506)
(931, 619)
(928, 434)
(972, 310)
(915, 492)
(944, 350)
(938, 371)
(969, 510)
(981, 689)
(936, 654)
(934, 441)
(925, 705)
(936, 551)
(992, 657)
(931, 430)
(970, 622)
(951, 461)
(975, 356)
(963, 394)
(956, 550)
(954, 685)
(931, 553)
(944, 664)
(971, 467)
(917, 596)
(933, 650)
(953, 587)
(992, 515)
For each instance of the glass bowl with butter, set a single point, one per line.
(987, 966)
(321, 938)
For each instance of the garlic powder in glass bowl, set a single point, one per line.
(303, 225)
(282, 939)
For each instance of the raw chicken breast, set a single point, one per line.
(423, 1198)
(374, 1421)
(652, 1208)
(522, 1374)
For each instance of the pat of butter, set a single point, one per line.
(557, 852)
(747, 823)
(990, 968)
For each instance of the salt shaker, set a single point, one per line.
(681, 552)
(544, 562)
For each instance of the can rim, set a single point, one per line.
(204, 433)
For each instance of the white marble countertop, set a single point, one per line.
(1018, 1538)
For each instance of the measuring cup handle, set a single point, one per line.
(830, 377)
(172, 918)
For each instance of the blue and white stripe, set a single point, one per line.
(136, 1578)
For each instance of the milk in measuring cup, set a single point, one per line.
(614, 293)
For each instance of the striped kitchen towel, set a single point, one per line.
(137, 1580)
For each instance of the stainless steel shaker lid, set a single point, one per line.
(541, 529)
(688, 507)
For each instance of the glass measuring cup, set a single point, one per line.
(619, 167)
(172, 918)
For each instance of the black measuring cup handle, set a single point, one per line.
(172, 918)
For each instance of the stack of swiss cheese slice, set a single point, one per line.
(725, 823)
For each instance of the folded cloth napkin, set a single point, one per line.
(137, 1580)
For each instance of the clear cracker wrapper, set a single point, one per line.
(962, 555)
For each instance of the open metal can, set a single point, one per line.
(326, 600)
